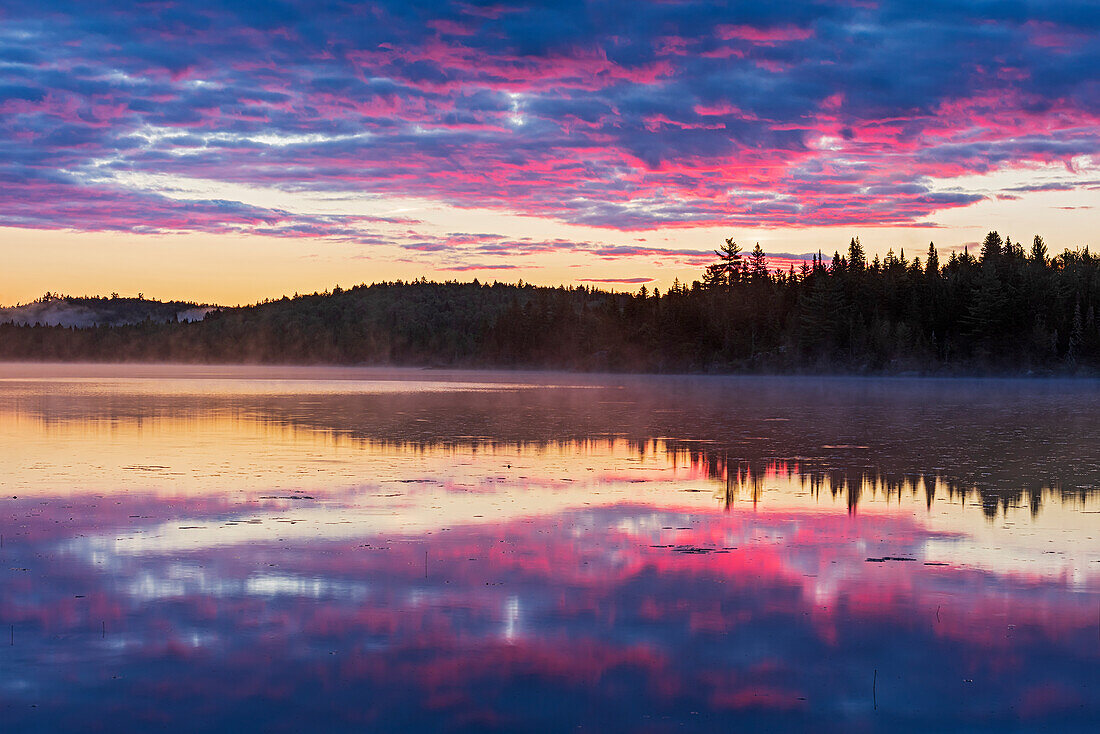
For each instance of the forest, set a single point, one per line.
(1006, 310)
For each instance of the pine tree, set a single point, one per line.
(932, 266)
(758, 264)
(714, 276)
(727, 270)
(1038, 251)
(857, 259)
(992, 247)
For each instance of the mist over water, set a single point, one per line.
(282, 549)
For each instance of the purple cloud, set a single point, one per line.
(671, 114)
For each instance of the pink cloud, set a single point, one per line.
(763, 36)
(627, 126)
(615, 280)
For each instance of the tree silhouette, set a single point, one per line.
(1038, 251)
(932, 264)
(857, 259)
(727, 271)
(991, 247)
(1008, 311)
(758, 264)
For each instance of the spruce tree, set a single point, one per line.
(1038, 251)
(992, 247)
(758, 264)
(932, 266)
(857, 259)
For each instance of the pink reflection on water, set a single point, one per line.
(533, 586)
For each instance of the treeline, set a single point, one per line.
(56, 309)
(1006, 310)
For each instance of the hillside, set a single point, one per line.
(83, 312)
(1008, 311)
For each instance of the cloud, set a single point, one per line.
(1054, 186)
(56, 201)
(691, 113)
(615, 280)
(481, 266)
(459, 246)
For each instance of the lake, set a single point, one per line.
(334, 549)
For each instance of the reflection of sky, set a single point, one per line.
(471, 588)
(744, 616)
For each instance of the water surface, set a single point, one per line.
(273, 549)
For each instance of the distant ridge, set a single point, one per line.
(85, 312)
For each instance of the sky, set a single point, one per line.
(226, 152)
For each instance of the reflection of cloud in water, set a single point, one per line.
(776, 613)
(181, 580)
(431, 560)
(774, 511)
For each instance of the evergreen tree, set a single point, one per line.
(991, 247)
(857, 259)
(932, 266)
(727, 271)
(758, 264)
(1038, 251)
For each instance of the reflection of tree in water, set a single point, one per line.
(740, 479)
(743, 479)
(999, 446)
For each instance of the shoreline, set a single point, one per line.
(108, 367)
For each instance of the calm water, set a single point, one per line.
(248, 549)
